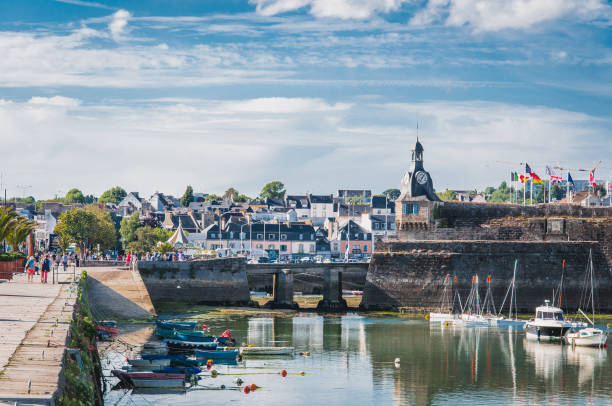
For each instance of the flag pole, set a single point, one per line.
(524, 188)
(531, 191)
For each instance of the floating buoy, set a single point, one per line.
(283, 373)
(238, 381)
(307, 354)
(302, 373)
(427, 317)
(605, 345)
(213, 373)
(253, 386)
(397, 361)
(247, 389)
(250, 345)
(222, 387)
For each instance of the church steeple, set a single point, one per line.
(417, 157)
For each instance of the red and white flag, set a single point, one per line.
(592, 179)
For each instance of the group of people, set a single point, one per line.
(42, 264)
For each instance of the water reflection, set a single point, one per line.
(351, 362)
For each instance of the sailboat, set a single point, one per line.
(444, 312)
(472, 312)
(510, 321)
(589, 336)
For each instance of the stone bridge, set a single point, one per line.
(283, 281)
(225, 281)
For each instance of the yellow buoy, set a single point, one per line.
(307, 354)
(427, 317)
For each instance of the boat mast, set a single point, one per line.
(592, 289)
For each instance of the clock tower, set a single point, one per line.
(417, 181)
(415, 208)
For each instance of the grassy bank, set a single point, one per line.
(82, 379)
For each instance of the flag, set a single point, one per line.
(516, 177)
(553, 175)
(592, 179)
(570, 180)
(511, 176)
(534, 178)
(524, 178)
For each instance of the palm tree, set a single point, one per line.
(7, 222)
(21, 229)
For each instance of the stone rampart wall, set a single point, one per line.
(220, 281)
(411, 274)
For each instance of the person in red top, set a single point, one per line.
(128, 258)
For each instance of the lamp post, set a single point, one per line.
(241, 238)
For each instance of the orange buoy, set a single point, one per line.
(253, 386)
(283, 373)
(247, 389)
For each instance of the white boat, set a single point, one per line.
(589, 336)
(266, 350)
(444, 311)
(142, 363)
(510, 321)
(548, 325)
(158, 383)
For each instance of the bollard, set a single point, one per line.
(43, 354)
(29, 385)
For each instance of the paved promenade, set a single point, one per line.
(34, 324)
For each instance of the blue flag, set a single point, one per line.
(527, 169)
(570, 180)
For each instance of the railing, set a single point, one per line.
(10, 268)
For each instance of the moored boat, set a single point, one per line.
(179, 345)
(176, 325)
(158, 383)
(140, 363)
(204, 354)
(266, 350)
(548, 324)
(190, 336)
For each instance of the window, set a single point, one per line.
(301, 248)
(270, 236)
(301, 236)
(270, 246)
(410, 208)
(283, 237)
(311, 237)
(231, 235)
(312, 248)
(260, 236)
(356, 235)
(365, 248)
(259, 246)
(212, 235)
(283, 248)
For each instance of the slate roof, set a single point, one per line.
(298, 201)
(328, 199)
(378, 202)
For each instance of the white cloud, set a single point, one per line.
(119, 22)
(343, 9)
(310, 145)
(496, 15)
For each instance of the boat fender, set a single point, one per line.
(427, 317)
(222, 387)
(238, 381)
(283, 373)
(605, 345)
(302, 373)
(307, 354)
(213, 373)
(253, 387)
(397, 361)
(247, 389)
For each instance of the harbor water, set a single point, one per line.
(351, 360)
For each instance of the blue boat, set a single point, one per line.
(165, 333)
(160, 356)
(214, 355)
(190, 345)
(193, 338)
(177, 325)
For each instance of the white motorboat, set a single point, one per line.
(589, 336)
(158, 383)
(140, 363)
(548, 325)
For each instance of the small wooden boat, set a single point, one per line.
(108, 323)
(188, 371)
(154, 345)
(158, 383)
(177, 325)
(155, 363)
(230, 354)
(266, 350)
(108, 330)
(165, 333)
(190, 345)
(163, 356)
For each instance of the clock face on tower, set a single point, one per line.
(421, 177)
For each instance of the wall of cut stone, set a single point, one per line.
(411, 274)
(220, 281)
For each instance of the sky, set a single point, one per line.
(319, 94)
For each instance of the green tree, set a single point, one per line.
(164, 247)
(392, 194)
(144, 240)
(356, 200)
(214, 197)
(21, 228)
(114, 195)
(187, 196)
(447, 195)
(90, 199)
(242, 198)
(500, 195)
(7, 222)
(230, 193)
(273, 190)
(161, 234)
(128, 228)
(558, 191)
(86, 228)
(74, 196)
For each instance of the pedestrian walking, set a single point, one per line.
(36, 263)
(29, 268)
(44, 269)
(65, 261)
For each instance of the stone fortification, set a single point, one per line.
(220, 281)
(411, 274)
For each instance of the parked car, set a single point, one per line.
(306, 260)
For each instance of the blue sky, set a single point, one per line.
(320, 94)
